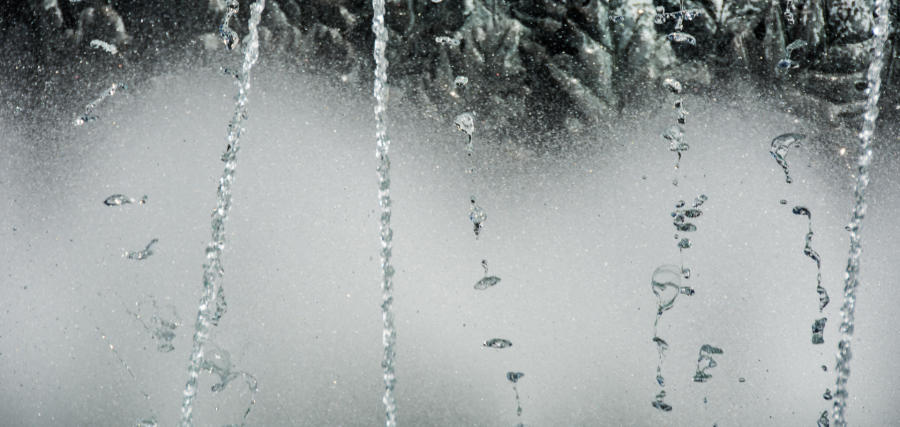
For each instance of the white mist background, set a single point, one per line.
(575, 236)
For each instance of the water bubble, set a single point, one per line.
(498, 343)
(786, 64)
(141, 254)
(684, 243)
(818, 328)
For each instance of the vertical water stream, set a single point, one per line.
(851, 276)
(212, 269)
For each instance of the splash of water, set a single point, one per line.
(383, 143)
(212, 269)
(706, 355)
(851, 277)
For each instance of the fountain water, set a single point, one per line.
(851, 277)
(212, 269)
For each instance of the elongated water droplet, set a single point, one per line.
(659, 404)
(487, 282)
(682, 37)
(818, 328)
(779, 150)
(497, 343)
(121, 199)
(477, 216)
(812, 254)
(141, 254)
(823, 420)
(107, 47)
(794, 45)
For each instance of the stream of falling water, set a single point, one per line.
(851, 277)
(383, 144)
(212, 269)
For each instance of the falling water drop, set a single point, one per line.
(143, 253)
(827, 394)
(498, 343)
(107, 47)
(851, 278)
(818, 328)
(212, 268)
(477, 216)
(486, 281)
(682, 37)
(465, 122)
(461, 81)
(514, 378)
(823, 420)
(447, 41)
(705, 355)
(121, 199)
(808, 251)
(779, 150)
(659, 404)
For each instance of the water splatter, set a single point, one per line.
(705, 356)
(486, 281)
(88, 115)
(121, 199)
(851, 278)
(162, 329)
(143, 253)
(477, 216)
(818, 328)
(212, 269)
(107, 47)
(217, 361)
(514, 378)
(779, 150)
(497, 343)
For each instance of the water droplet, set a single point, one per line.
(465, 122)
(461, 81)
(616, 19)
(827, 395)
(705, 361)
(141, 254)
(673, 85)
(742, 380)
(436, 1)
(823, 420)
(681, 37)
(666, 285)
(477, 216)
(514, 377)
(659, 404)
(487, 282)
(497, 343)
(121, 199)
(794, 45)
(684, 243)
(818, 328)
(824, 368)
(779, 150)
(783, 201)
(675, 135)
(147, 422)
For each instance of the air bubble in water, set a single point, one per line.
(779, 150)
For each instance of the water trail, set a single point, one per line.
(851, 278)
(383, 143)
(808, 251)
(124, 364)
(212, 269)
(143, 253)
(88, 114)
(486, 281)
(514, 378)
(779, 149)
(121, 199)
(705, 355)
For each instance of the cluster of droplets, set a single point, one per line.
(213, 272)
(674, 134)
(705, 361)
(679, 16)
